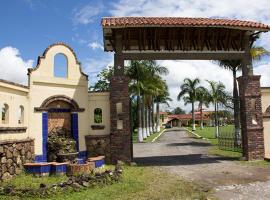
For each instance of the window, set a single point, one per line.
(98, 115)
(5, 114)
(21, 115)
(60, 65)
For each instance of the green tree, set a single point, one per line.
(188, 92)
(217, 94)
(203, 99)
(178, 111)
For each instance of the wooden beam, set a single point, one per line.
(194, 55)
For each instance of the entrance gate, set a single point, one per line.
(161, 38)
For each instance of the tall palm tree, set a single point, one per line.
(188, 91)
(161, 98)
(203, 99)
(141, 74)
(234, 65)
(217, 94)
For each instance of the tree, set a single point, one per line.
(188, 92)
(178, 111)
(256, 54)
(145, 84)
(203, 99)
(103, 83)
(217, 94)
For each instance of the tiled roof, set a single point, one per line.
(116, 22)
(185, 116)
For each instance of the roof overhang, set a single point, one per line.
(172, 34)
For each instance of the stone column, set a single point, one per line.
(121, 144)
(251, 117)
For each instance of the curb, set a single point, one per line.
(158, 135)
(198, 136)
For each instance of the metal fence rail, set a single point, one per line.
(229, 140)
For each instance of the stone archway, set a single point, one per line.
(59, 116)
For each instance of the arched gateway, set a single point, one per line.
(160, 38)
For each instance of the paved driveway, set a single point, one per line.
(178, 153)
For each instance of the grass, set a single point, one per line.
(137, 183)
(209, 134)
(148, 139)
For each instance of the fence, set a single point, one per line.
(229, 140)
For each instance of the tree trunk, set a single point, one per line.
(158, 118)
(201, 113)
(143, 118)
(236, 107)
(193, 118)
(147, 121)
(216, 120)
(152, 118)
(139, 116)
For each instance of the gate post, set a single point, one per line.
(251, 117)
(121, 143)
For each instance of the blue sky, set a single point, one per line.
(29, 26)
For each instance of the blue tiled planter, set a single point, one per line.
(40, 169)
(59, 168)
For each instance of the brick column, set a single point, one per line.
(251, 117)
(121, 145)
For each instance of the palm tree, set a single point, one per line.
(203, 99)
(161, 98)
(188, 92)
(217, 94)
(143, 84)
(234, 65)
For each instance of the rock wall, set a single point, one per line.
(98, 145)
(13, 154)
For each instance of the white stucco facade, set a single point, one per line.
(42, 85)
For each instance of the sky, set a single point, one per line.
(29, 26)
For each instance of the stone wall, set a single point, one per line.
(13, 154)
(98, 145)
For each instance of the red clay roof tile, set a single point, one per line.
(114, 22)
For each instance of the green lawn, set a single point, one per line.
(137, 183)
(148, 139)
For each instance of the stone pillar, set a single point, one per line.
(251, 117)
(121, 143)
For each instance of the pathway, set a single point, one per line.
(178, 153)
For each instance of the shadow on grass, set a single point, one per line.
(174, 160)
(198, 144)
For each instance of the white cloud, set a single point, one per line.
(95, 45)
(86, 14)
(204, 70)
(237, 9)
(93, 66)
(12, 66)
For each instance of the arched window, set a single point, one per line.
(98, 115)
(60, 65)
(21, 115)
(5, 114)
